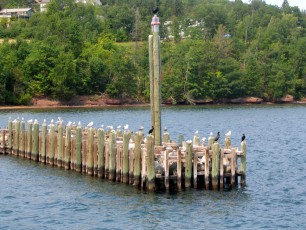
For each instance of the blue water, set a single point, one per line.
(35, 196)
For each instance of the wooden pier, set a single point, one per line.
(120, 155)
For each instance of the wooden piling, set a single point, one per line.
(90, 147)
(101, 152)
(166, 167)
(29, 140)
(119, 153)
(215, 165)
(207, 169)
(211, 139)
(195, 169)
(3, 145)
(84, 155)
(227, 142)
(42, 153)
(112, 156)
(150, 163)
(35, 141)
(59, 145)
(243, 163)
(221, 169)
(10, 137)
(67, 147)
(166, 137)
(143, 167)
(188, 164)
(78, 149)
(16, 137)
(137, 162)
(125, 166)
(51, 144)
(179, 169)
(233, 166)
(22, 139)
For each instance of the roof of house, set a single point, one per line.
(3, 11)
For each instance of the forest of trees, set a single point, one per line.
(212, 50)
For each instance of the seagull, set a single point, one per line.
(126, 127)
(228, 134)
(141, 128)
(119, 127)
(243, 137)
(151, 130)
(217, 137)
(79, 123)
(211, 134)
(52, 121)
(102, 126)
(45, 121)
(30, 121)
(110, 127)
(90, 124)
(196, 132)
(155, 10)
(165, 129)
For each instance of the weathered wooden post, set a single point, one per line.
(166, 136)
(60, 145)
(101, 152)
(51, 144)
(233, 166)
(211, 139)
(29, 139)
(90, 146)
(16, 137)
(195, 169)
(137, 162)
(42, 153)
(155, 73)
(22, 138)
(207, 169)
(179, 169)
(68, 147)
(227, 142)
(35, 147)
(150, 163)
(112, 156)
(78, 149)
(166, 167)
(180, 140)
(196, 139)
(125, 166)
(243, 163)
(188, 164)
(3, 145)
(215, 165)
(10, 136)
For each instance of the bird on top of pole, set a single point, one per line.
(155, 20)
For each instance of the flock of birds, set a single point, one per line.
(125, 127)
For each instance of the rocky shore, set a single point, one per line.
(100, 101)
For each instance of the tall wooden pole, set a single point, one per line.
(155, 82)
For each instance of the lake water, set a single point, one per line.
(36, 196)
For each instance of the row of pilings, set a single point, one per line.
(120, 155)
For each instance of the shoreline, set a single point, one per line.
(23, 107)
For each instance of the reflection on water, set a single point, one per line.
(38, 196)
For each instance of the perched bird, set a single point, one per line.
(217, 137)
(119, 127)
(110, 127)
(196, 132)
(243, 137)
(79, 123)
(52, 121)
(228, 134)
(155, 10)
(126, 127)
(151, 130)
(90, 124)
(165, 129)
